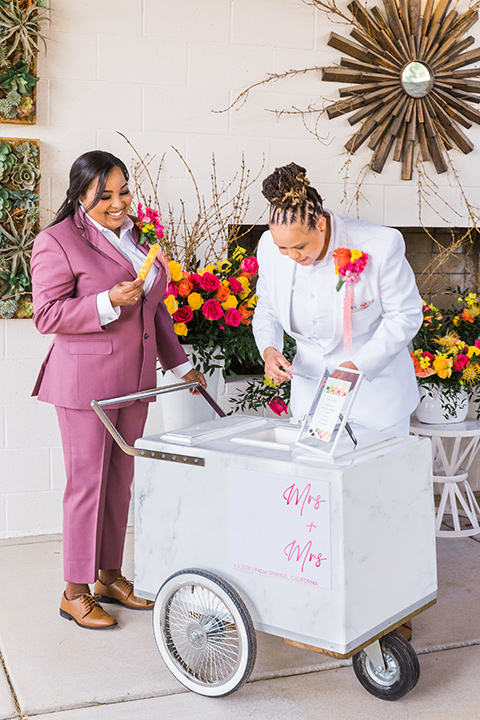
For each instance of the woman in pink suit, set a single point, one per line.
(109, 329)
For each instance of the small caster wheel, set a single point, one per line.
(204, 632)
(401, 669)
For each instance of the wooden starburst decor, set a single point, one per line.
(411, 88)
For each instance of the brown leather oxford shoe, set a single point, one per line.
(86, 612)
(121, 591)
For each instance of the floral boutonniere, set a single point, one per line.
(151, 231)
(349, 265)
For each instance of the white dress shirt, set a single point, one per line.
(126, 245)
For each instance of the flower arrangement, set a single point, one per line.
(466, 317)
(151, 230)
(213, 308)
(448, 361)
(349, 265)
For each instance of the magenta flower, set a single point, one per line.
(183, 314)
(171, 289)
(235, 286)
(233, 317)
(210, 282)
(278, 406)
(461, 362)
(249, 265)
(196, 280)
(212, 309)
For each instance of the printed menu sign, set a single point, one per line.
(279, 526)
(329, 408)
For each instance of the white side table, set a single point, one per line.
(450, 470)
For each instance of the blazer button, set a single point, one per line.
(146, 336)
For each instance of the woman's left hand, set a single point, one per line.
(195, 376)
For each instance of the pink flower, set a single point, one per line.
(461, 362)
(210, 282)
(183, 314)
(359, 263)
(233, 317)
(278, 406)
(235, 286)
(140, 213)
(429, 356)
(249, 265)
(477, 343)
(196, 280)
(171, 290)
(212, 309)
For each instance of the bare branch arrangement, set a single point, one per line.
(215, 224)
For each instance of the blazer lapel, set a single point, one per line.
(338, 238)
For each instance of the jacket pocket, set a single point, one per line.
(96, 347)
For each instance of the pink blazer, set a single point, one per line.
(70, 266)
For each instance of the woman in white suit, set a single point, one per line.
(297, 294)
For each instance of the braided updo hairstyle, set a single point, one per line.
(291, 197)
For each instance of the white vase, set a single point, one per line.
(180, 408)
(432, 408)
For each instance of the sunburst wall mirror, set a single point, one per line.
(411, 86)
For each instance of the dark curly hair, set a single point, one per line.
(291, 197)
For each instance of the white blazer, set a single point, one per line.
(386, 315)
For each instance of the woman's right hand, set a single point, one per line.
(274, 362)
(126, 293)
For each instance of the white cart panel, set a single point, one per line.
(379, 559)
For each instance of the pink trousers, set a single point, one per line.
(97, 494)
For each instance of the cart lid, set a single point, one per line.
(213, 429)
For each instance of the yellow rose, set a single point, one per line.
(175, 270)
(180, 328)
(171, 303)
(195, 300)
(443, 366)
(355, 255)
(244, 282)
(210, 268)
(230, 302)
(252, 302)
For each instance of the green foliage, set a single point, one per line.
(20, 26)
(259, 394)
(18, 77)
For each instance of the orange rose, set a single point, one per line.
(341, 257)
(184, 287)
(222, 294)
(246, 314)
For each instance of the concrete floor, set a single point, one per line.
(53, 670)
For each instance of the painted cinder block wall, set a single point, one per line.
(156, 70)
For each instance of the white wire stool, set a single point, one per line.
(451, 462)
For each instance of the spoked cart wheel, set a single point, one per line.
(399, 673)
(204, 632)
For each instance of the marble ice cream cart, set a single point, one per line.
(239, 529)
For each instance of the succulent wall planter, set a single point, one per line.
(20, 24)
(19, 223)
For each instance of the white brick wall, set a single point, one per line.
(155, 70)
